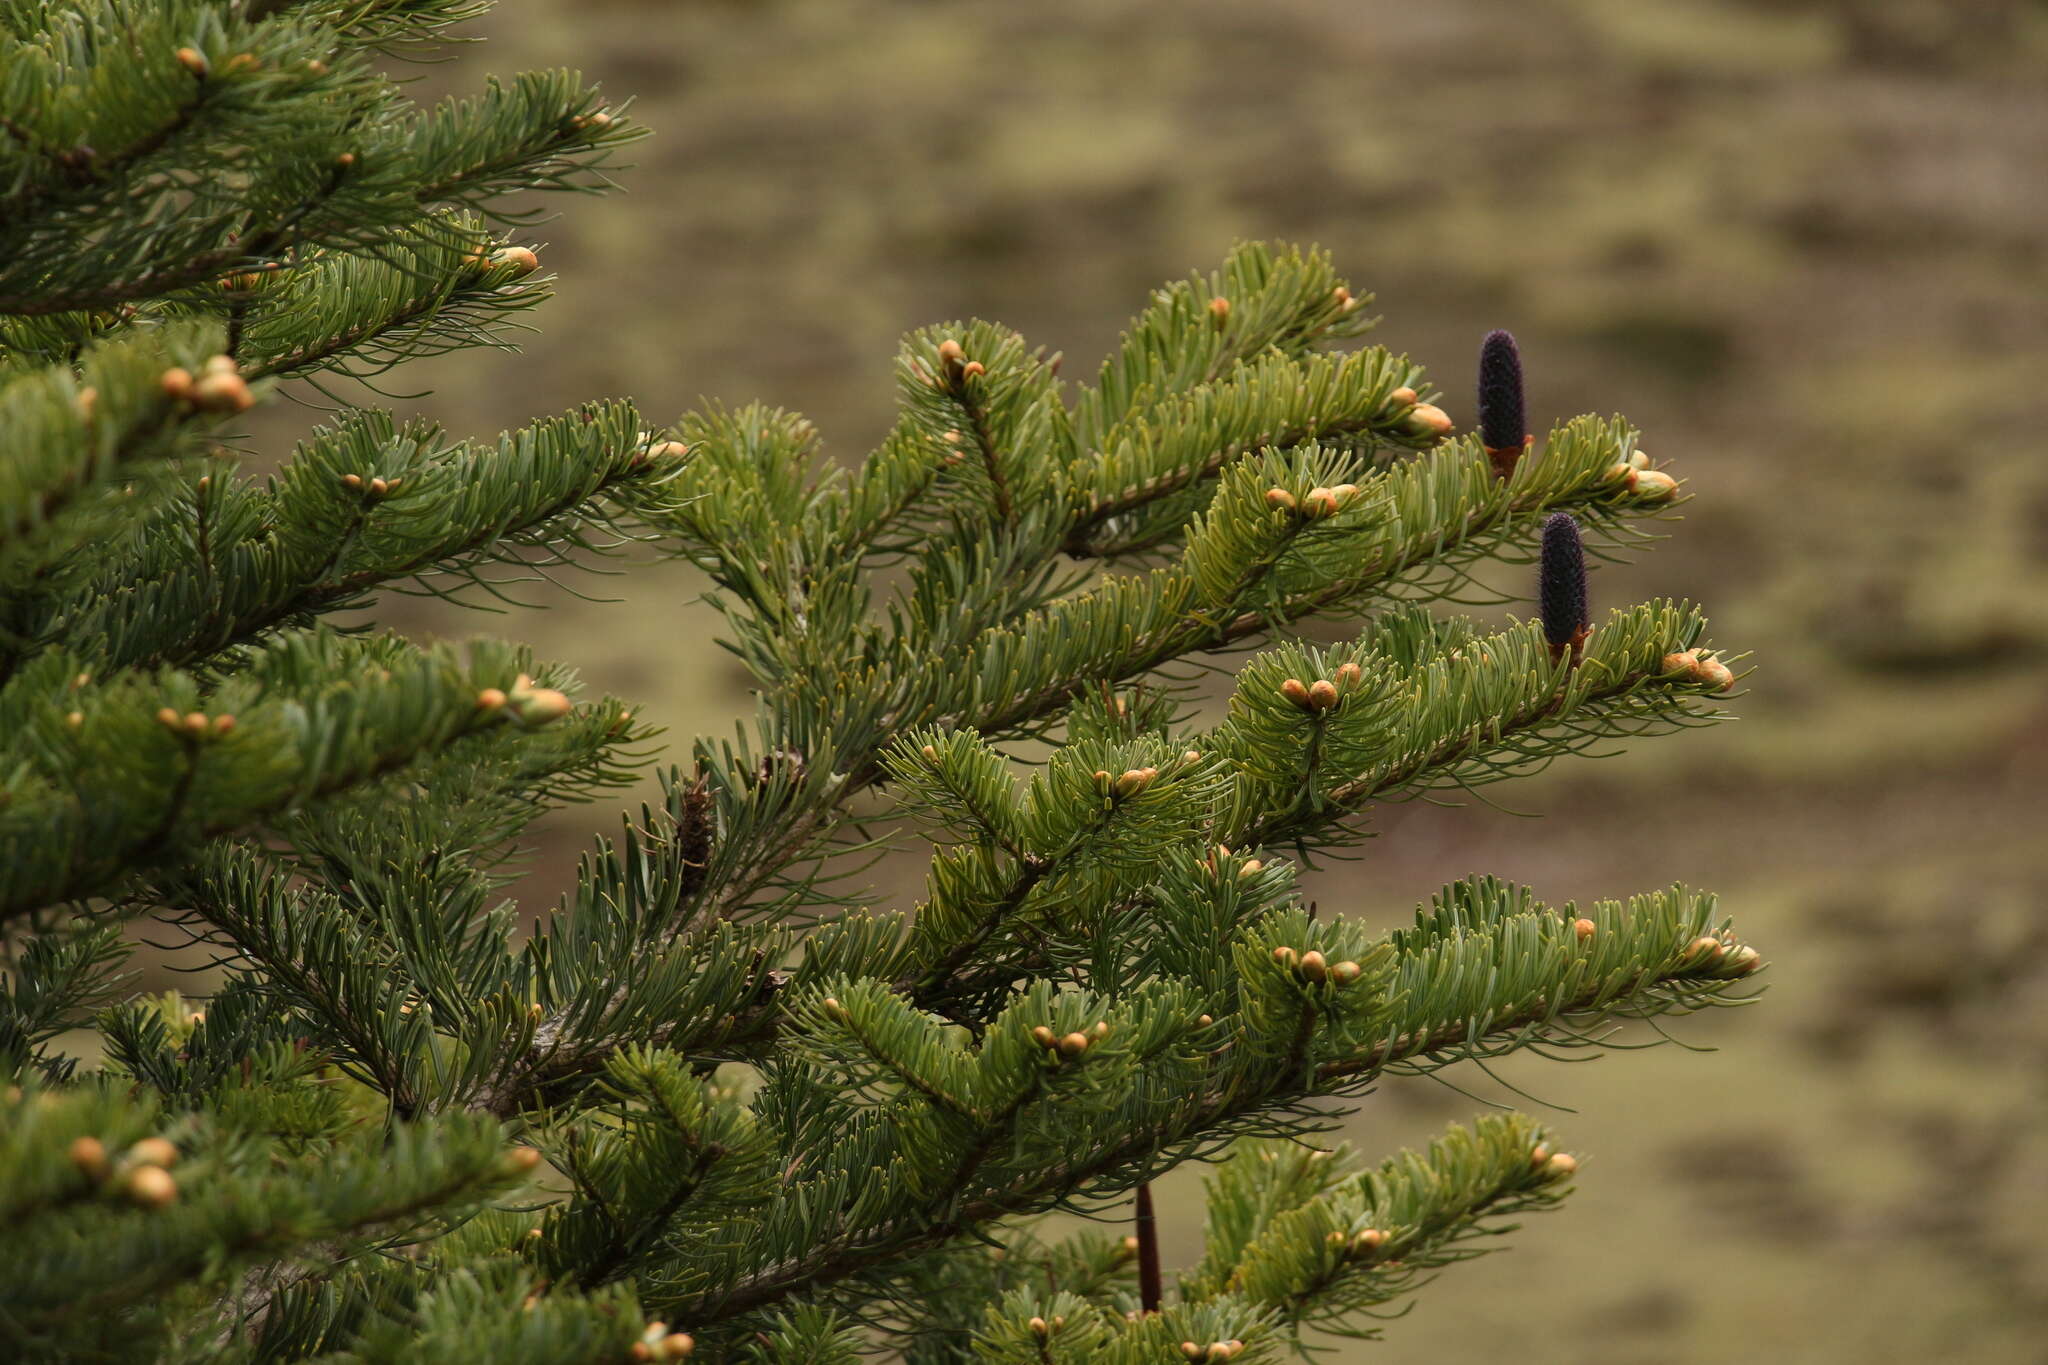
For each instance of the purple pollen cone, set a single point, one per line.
(1503, 424)
(1561, 582)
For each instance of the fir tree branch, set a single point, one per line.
(364, 506)
(348, 1198)
(166, 775)
(1227, 1088)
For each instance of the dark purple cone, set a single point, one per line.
(1502, 422)
(1562, 580)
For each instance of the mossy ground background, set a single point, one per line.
(1799, 242)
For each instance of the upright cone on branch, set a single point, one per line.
(1503, 421)
(1562, 588)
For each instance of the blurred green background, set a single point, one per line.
(1799, 242)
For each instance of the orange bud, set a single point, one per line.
(544, 704)
(1427, 419)
(222, 391)
(1653, 485)
(155, 1151)
(1715, 675)
(89, 1155)
(151, 1186)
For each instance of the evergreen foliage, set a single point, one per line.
(779, 1123)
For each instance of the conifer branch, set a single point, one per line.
(366, 505)
(1094, 987)
(1658, 961)
(267, 745)
(242, 1209)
